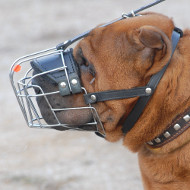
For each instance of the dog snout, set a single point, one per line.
(57, 109)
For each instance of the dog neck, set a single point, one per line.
(169, 101)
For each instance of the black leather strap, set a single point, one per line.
(92, 98)
(154, 81)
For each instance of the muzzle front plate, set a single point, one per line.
(68, 79)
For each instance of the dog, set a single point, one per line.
(125, 55)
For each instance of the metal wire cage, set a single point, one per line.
(21, 76)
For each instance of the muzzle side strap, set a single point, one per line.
(95, 97)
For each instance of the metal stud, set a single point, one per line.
(148, 91)
(124, 15)
(186, 118)
(63, 84)
(157, 140)
(150, 143)
(93, 97)
(167, 134)
(74, 81)
(177, 127)
(133, 14)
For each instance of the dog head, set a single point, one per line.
(122, 55)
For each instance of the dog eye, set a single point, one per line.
(84, 63)
(91, 70)
(80, 59)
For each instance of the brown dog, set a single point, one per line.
(125, 55)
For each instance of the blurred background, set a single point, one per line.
(47, 159)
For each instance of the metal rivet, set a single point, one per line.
(167, 134)
(63, 84)
(74, 81)
(133, 14)
(150, 143)
(186, 118)
(124, 15)
(177, 127)
(148, 90)
(93, 97)
(157, 140)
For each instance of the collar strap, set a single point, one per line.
(180, 124)
(145, 93)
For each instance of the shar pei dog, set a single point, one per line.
(125, 55)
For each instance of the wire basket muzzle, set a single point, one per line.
(60, 70)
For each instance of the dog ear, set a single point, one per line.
(151, 37)
(155, 45)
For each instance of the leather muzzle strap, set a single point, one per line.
(92, 98)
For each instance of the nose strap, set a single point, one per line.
(61, 69)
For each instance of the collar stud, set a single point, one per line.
(186, 118)
(167, 134)
(177, 127)
(157, 140)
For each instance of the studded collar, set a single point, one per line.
(179, 125)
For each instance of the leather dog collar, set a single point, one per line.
(180, 124)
